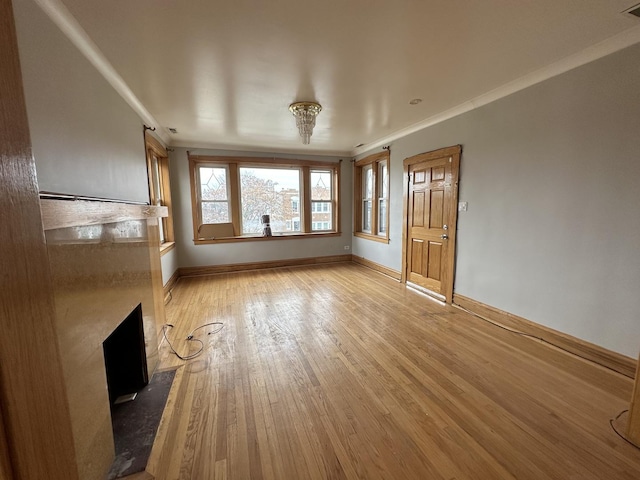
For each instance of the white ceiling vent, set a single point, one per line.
(635, 10)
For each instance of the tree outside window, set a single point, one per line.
(267, 191)
(237, 193)
(214, 194)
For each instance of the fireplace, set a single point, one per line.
(125, 358)
(107, 284)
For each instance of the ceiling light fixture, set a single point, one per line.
(415, 101)
(305, 113)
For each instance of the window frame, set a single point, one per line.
(321, 206)
(372, 162)
(304, 201)
(160, 183)
(285, 196)
(227, 199)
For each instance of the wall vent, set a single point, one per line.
(635, 11)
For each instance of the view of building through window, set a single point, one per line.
(297, 198)
(269, 191)
(321, 195)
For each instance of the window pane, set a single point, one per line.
(269, 191)
(215, 212)
(161, 228)
(321, 200)
(213, 183)
(367, 182)
(155, 178)
(383, 175)
(321, 185)
(382, 216)
(366, 216)
(321, 217)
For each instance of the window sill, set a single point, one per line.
(294, 236)
(167, 247)
(368, 236)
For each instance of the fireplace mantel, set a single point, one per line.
(74, 213)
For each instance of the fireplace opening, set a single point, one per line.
(125, 358)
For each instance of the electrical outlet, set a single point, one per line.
(347, 247)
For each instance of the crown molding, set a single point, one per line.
(611, 45)
(66, 22)
(60, 15)
(259, 149)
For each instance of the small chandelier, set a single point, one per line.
(305, 113)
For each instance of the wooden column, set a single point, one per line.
(33, 402)
(633, 427)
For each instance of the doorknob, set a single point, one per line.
(444, 236)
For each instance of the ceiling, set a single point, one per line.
(223, 73)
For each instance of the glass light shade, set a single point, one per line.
(305, 113)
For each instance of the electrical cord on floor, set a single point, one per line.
(535, 337)
(564, 349)
(618, 433)
(190, 338)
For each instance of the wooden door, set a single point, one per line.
(430, 234)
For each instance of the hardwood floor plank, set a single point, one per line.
(310, 379)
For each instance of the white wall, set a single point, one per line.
(551, 176)
(86, 140)
(190, 255)
(169, 263)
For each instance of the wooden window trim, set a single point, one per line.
(166, 247)
(374, 160)
(335, 193)
(154, 147)
(305, 214)
(304, 202)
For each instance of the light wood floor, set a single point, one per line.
(312, 379)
